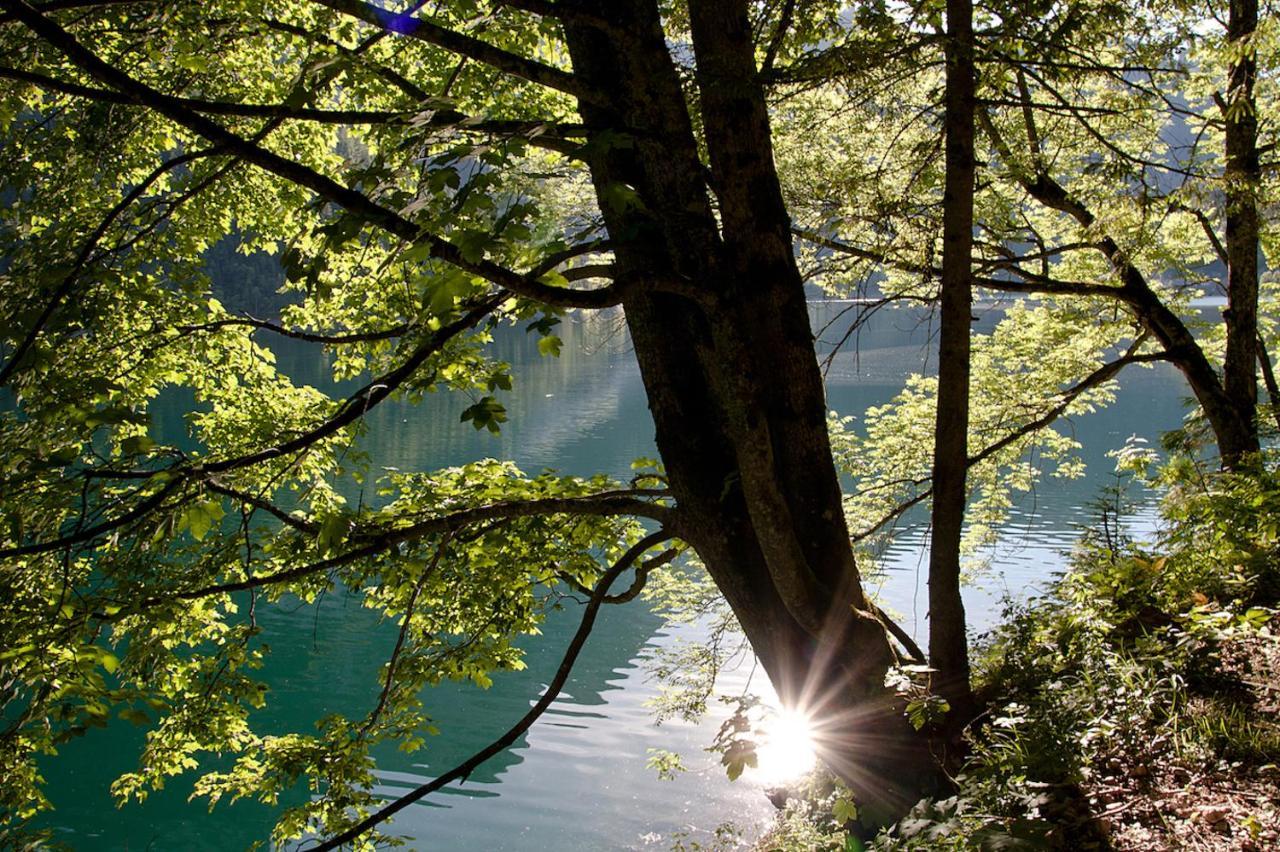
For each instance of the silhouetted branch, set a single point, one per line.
(464, 769)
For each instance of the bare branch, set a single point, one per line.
(895, 630)
(587, 271)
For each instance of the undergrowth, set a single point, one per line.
(1118, 703)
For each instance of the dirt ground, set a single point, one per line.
(1175, 803)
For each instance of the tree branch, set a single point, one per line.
(552, 136)
(464, 45)
(464, 769)
(409, 608)
(138, 511)
(310, 337)
(1205, 225)
(63, 5)
(604, 504)
(324, 186)
(55, 300)
(351, 410)
(360, 402)
(327, 116)
(299, 524)
(779, 35)
(637, 585)
(1032, 283)
(1104, 373)
(895, 630)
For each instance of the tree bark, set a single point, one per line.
(1241, 176)
(717, 314)
(948, 645)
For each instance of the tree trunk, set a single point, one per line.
(948, 645)
(1241, 175)
(721, 331)
(1269, 381)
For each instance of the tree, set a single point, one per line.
(1102, 192)
(142, 134)
(1159, 176)
(426, 175)
(948, 645)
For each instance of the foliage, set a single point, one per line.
(1118, 671)
(1027, 369)
(686, 670)
(424, 177)
(246, 283)
(1113, 672)
(814, 817)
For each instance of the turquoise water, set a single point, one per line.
(577, 780)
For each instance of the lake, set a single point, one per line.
(577, 780)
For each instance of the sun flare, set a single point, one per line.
(787, 749)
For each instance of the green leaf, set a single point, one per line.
(198, 522)
(333, 532)
(844, 810)
(136, 444)
(549, 346)
(488, 413)
(200, 517)
(473, 245)
(445, 290)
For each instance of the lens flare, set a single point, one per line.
(787, 751)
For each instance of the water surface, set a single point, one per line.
(577, 780)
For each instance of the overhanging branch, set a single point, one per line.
(464, 45)
(1103, 374)
(464, 769)
(355, 202)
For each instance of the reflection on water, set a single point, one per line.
(578, 779)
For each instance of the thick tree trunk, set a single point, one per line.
(1241, 175)
(948, 645)
(717, 315)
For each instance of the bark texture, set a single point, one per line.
(1241, 175)
(948, 645)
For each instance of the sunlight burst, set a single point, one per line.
(787, 749)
